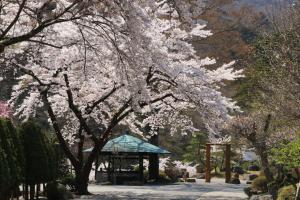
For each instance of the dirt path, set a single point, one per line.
(217, 190)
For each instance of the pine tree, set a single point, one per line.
(195, 151)
(40, 159)
(11, 159)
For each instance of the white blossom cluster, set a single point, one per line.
(129, 59)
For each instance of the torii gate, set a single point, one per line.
(227, 162)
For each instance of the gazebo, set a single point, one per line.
(127, 149)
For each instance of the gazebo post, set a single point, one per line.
(141, 168)
(109, 166)
(153, 166)
(153, 160)
(114, 170)
(207, 163)
(227, 164)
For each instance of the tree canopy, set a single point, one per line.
(109, 62)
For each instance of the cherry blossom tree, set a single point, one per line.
(259, 130)
(256, 129)
(25, 20)
(97, 64)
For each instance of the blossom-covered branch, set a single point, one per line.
(5, 110)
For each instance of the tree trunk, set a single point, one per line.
(262, 152)
(38, 188)
(261, 149)
(298, 192)
(26, 192)
(32, 190)
(44, 189)
(297, 171)
(23, 191)
(82, 186)
(265, 166)
(82, 179)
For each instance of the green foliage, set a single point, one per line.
(11, 158)
(195, 151)
(272, 71)
(60, 163)
(287, 154)
(248, 191)
(162, 175)
(163, 178)
(69, 181)
(260, 184)
(172, 171)
(146, 175)
(174, 143)
(287, 193)
(217, 160)
(246, 164)
(57, 191)
(40, 158)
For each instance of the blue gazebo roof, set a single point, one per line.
(129, 144)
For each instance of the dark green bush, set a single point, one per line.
(260, 184)
(287, 193)
(40, 158)
(11, 159)
(163, 175)
(163, 178)
(248, 191)
(173, 173)
(69, 181)
(146, 175)
(57, 191)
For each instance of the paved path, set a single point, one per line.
(217, 190)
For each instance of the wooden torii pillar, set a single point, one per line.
(208, 163)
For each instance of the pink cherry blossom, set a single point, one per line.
(5, 110)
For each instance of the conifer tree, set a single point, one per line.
(11, 160)
(40, 162)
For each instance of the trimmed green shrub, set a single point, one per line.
(69, 181)
(163, 175)
(5, 175)
(40, 160)
(260, 184)
(287, 193)
(248, 191)
(11, 158)
(57, 191)
(163, 178)
(146, 175)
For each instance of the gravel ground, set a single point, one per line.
(216, 190)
